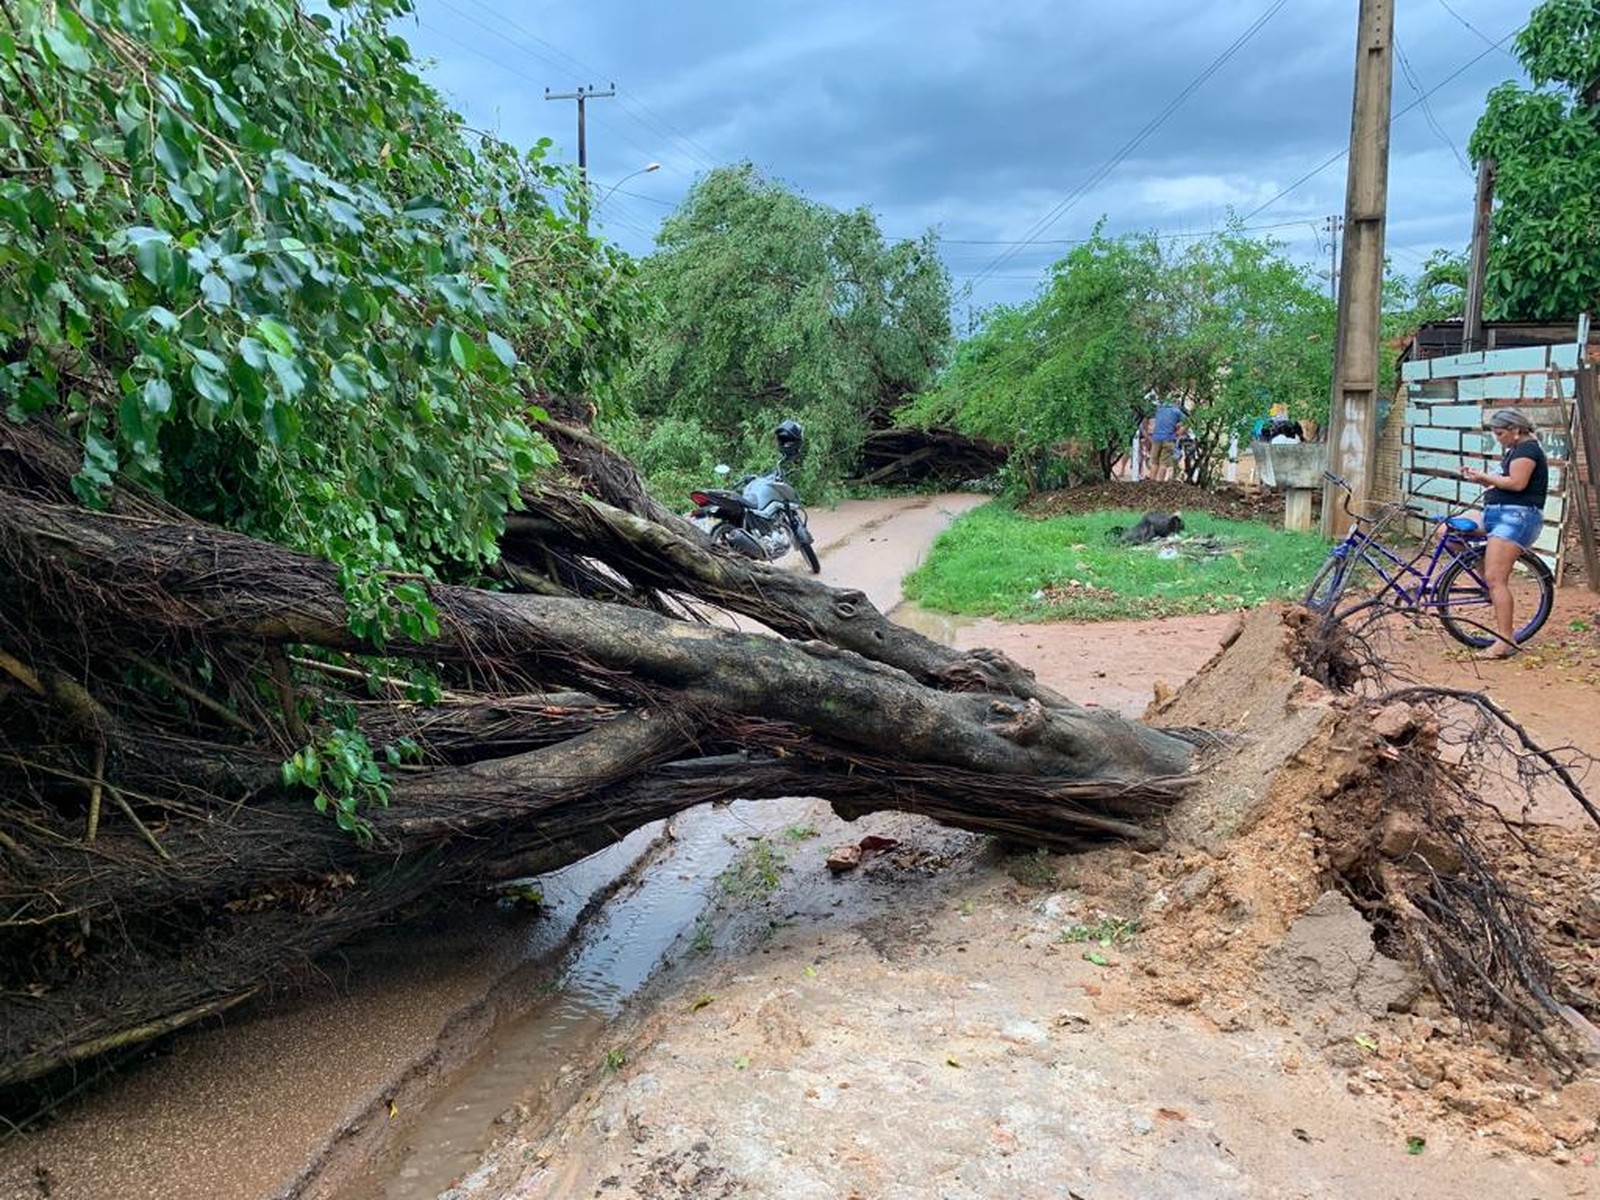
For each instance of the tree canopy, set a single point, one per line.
(1227, 324)
(767, 305)
(255, 264)
(1544, 256)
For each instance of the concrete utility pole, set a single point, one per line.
(1353, 423)
(582, 95)
(1478, 267)
(1334, 225)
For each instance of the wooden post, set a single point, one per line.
(1583, 487)
(1478, 270)
(1297, 509)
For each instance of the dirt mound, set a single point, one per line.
(1230, 500)
(1320, 809)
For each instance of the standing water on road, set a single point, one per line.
(660, 893)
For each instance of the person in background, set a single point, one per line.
(1167, 425)
(1281, 430)
(1141, 438)
(1513, 514)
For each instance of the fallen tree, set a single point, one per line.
(310, 613)
(156, 864)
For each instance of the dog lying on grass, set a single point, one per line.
(1151, 526)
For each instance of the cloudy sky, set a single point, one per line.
(1010, 128)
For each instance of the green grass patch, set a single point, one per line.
(755, 873)
(994, 562)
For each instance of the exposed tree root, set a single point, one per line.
(1434, 850)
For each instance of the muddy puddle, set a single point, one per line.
(657, 885)
(940, 627)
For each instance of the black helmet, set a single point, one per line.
(790, 437)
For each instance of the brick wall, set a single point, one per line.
(1388, 479)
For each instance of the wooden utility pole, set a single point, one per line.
(582, 95)
(1478, 268)
(1353, 423)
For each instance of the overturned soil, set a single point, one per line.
(960, 1018)
(1232, 501)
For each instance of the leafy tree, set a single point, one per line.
(1255, 332)
(252, 261)
(1544, 257)
(1436, 293)
(1227, 325)
(1072, 366)
(769, 305)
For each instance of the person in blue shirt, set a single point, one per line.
(1166, 427)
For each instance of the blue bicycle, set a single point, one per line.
(1448, 583)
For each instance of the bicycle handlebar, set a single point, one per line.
(1349, 492)
(1416, 510)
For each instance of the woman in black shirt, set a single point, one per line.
(1513, 514)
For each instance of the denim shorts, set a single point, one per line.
(1514, 522)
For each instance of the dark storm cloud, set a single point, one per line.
(982, 120)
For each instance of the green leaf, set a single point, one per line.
(253, 353)
(137, 235)
(297, 250)
(503, 350)
(424, 208)
(162, 318)
(172, 161)
(99, 459)
(157, 397)
(216, 291)
(275, 335)
(282, 425)
(236, 268)
(349, 380)
(211, 387)
(36, 395)
(155, 262)
(70, 52)
(288, 374)
(463, 351)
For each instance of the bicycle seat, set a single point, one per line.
(1461, 524)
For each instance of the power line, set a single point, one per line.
(565, 67)
(650, 199)
(637, 110)
(1476, 30)
(1160, 237)
(1427, 109)
(521, 74)
(1139, 138)
(1337, 155)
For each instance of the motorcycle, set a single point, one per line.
(763, 518)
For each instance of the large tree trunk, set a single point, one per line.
(155, 673)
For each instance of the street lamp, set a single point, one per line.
(644, 170)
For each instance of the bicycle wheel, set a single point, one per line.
(1463, 599)
(1328, 584)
